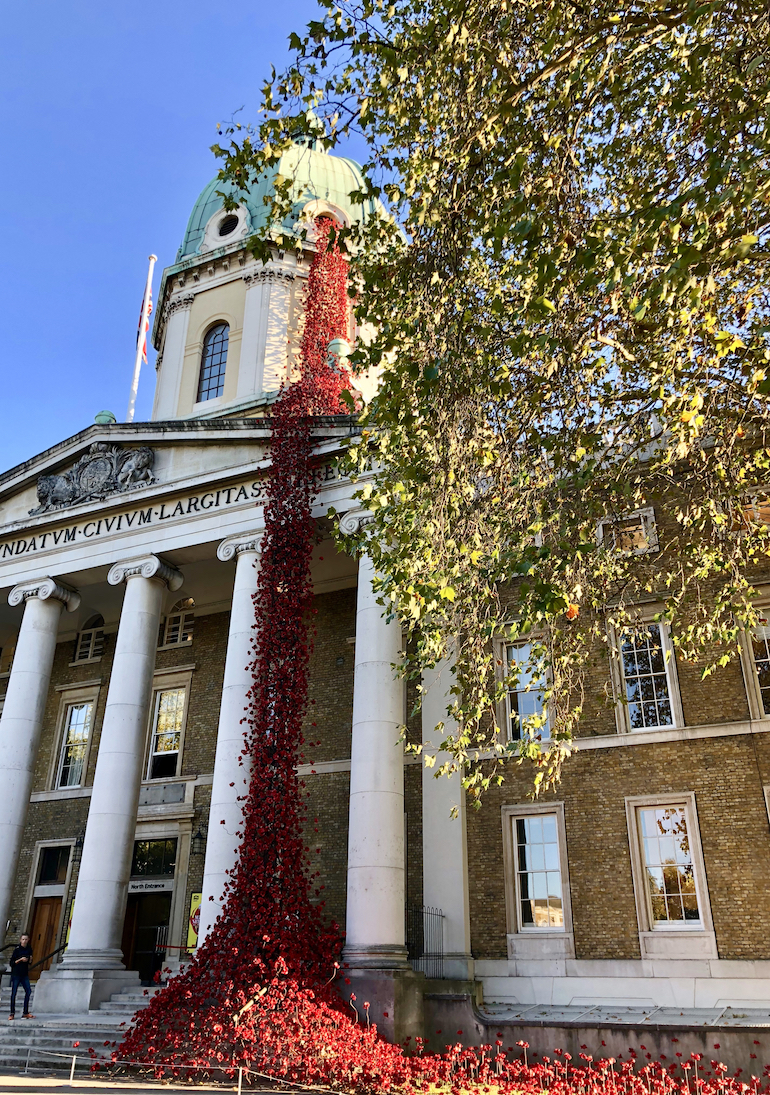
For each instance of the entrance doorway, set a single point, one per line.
(144, 933)
(45, 925)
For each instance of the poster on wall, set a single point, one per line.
(194, 922)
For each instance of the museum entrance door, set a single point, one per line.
(42, 936)
(145, 932)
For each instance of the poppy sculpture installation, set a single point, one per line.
(259, 995)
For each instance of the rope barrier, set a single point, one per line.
(216, 1066)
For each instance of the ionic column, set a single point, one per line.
(444, 838)
(232, 770)
(105, 866)
(376, 870)
(22, 717)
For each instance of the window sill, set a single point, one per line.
(86, 661)
(60, 793)
(176, 646)
(667, 943)
(541, 944)
(681, 733)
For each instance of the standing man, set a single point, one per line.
(20, 963)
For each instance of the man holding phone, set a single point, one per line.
(20, 963)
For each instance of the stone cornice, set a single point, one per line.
(46, 589)
(147, 566)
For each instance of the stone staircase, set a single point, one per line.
(46, 1041)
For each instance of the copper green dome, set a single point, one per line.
(316, 176)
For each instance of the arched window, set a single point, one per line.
(90, 641)
(177, 628)
(213, 362)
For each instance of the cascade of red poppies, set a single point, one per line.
(269, 920)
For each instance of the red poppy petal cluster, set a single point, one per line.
(258, 994)
(270, 932)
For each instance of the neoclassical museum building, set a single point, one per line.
(129, 554)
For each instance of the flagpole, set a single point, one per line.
(140, 341)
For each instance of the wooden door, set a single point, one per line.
(45, 925)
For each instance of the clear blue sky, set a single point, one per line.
(108, 110)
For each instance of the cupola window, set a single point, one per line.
(213, 362)
(228, 224)
(90, 641)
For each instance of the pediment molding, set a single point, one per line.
(158, 436)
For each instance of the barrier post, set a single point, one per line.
(240, 1081)
(72, 1070)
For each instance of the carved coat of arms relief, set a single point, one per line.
(105, 469)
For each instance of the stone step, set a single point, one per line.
(31, 1042)
(46, 1041)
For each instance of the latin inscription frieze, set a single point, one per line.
(153, 515)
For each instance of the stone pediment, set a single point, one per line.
(119, 465)
(105, 469)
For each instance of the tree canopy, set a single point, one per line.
(569, 302)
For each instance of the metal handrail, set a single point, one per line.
(34, 965)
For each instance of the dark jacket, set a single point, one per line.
(20, 968)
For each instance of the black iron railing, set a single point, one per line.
(425, 940)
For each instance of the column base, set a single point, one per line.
(77, 991)
(395, 998)
(93, 959)
(384, 956)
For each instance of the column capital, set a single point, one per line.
(46, 589)
(234, 545)
(147, 566)
(354, 520)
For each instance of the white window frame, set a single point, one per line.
(748, 665)
(644, 617)
(605, 530)
(92, 633)
(166, 682)
(532, 943)
(165, 644)
(687, 939)
(63, 744)
(69, 697)
(504, 710)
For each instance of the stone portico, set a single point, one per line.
(180, 547)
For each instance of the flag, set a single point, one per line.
(142, 335)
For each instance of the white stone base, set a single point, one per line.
(458, 967)
(76, 992)
(706, 983)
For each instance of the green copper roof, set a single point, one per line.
(316, 175)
